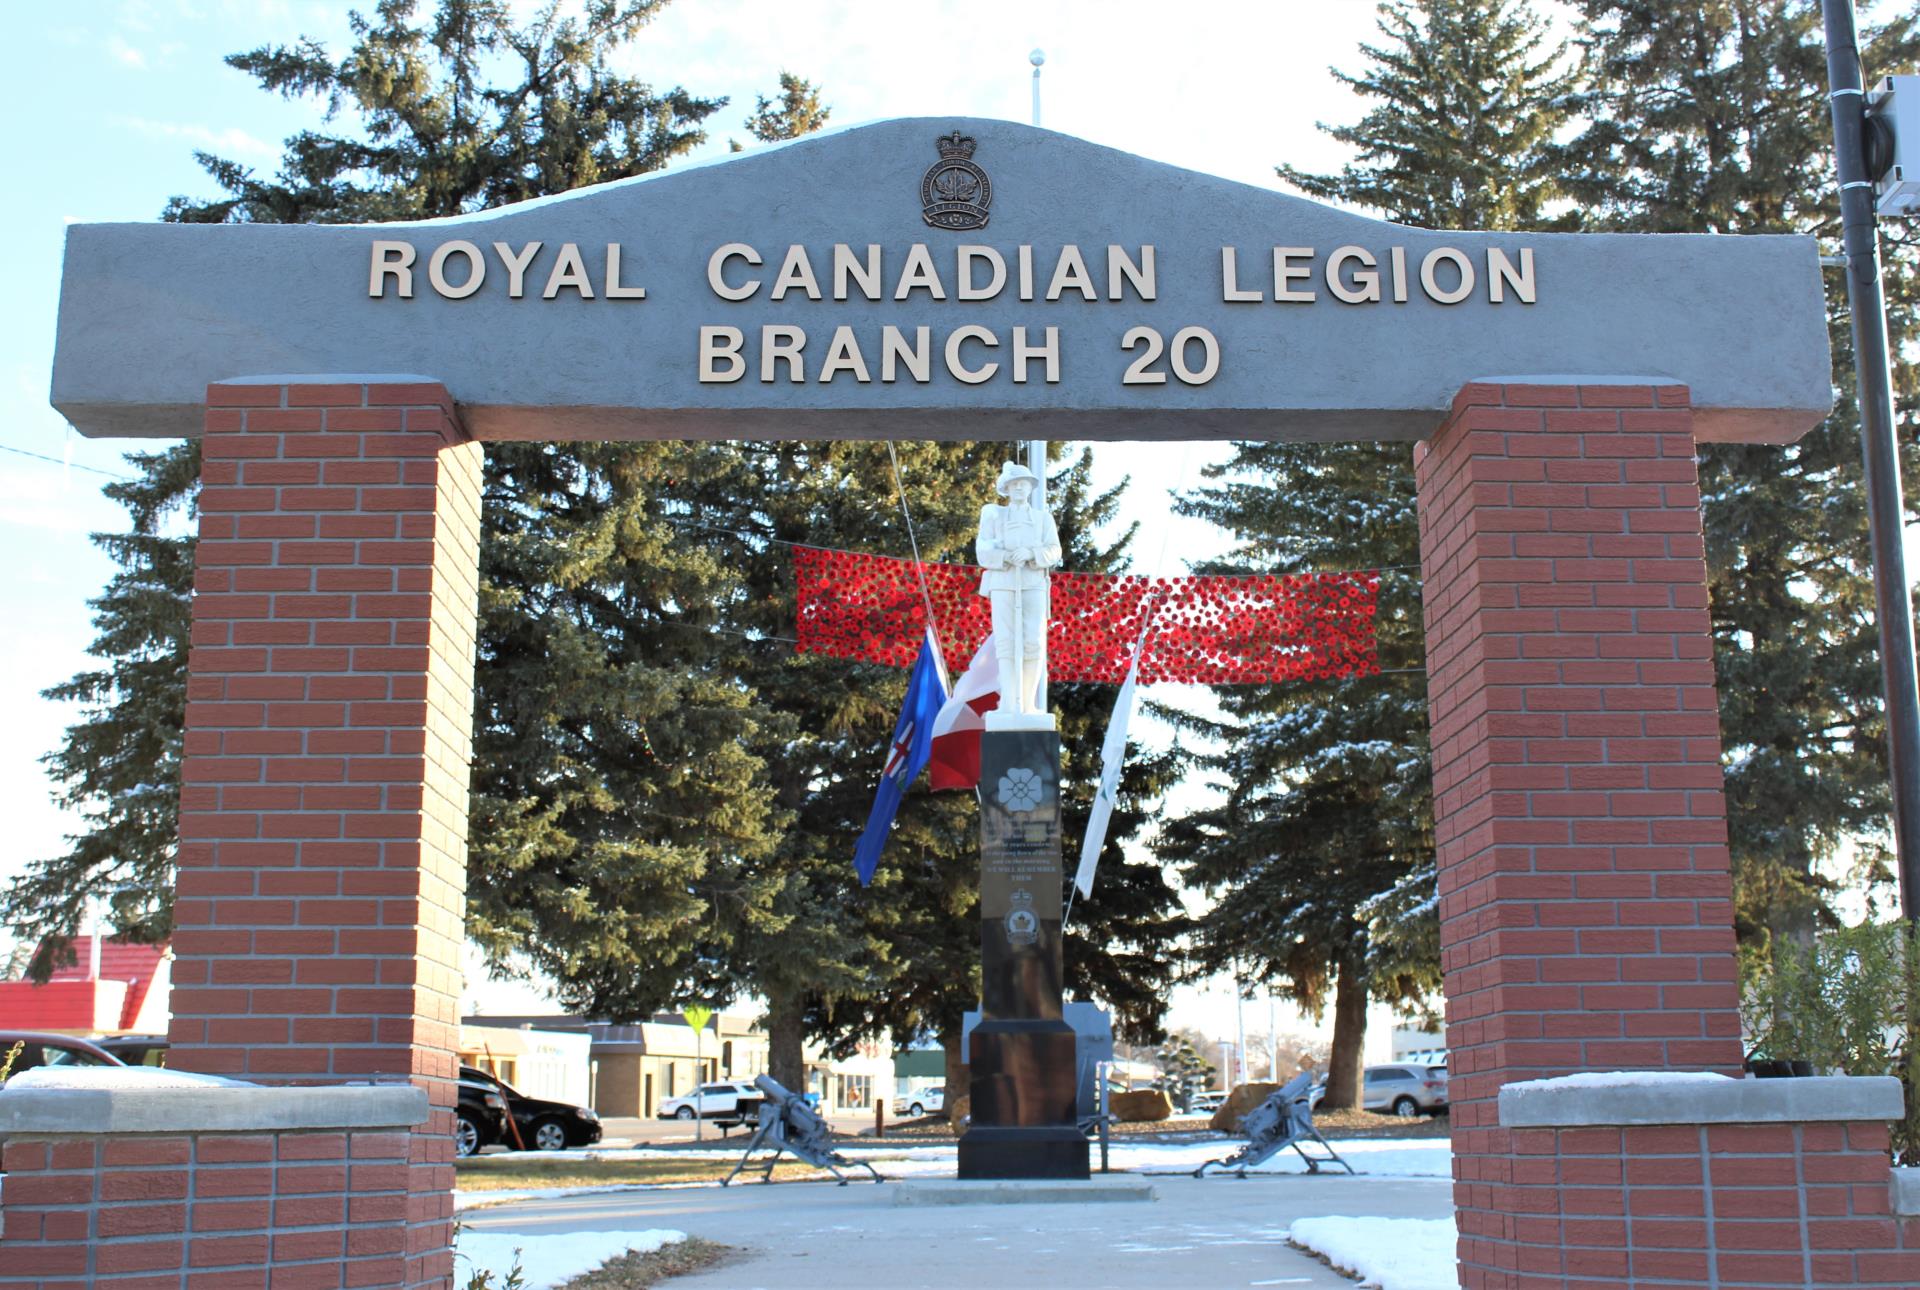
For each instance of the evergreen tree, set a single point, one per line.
(434, 136)
(592, 856)
(119, 768)
(1321, 855)
(797, 111)
(1711, 116)
(1468, 94)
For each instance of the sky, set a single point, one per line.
(109, 99)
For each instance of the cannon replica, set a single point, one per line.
(787, 1123)
(1284, 1120)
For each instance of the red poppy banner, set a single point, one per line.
(1251, 630)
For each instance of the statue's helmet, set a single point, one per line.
(1011, 471)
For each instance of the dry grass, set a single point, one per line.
(504, 1173)
(1332, 1124)
(638, 1271)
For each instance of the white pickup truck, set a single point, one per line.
(921, 1101)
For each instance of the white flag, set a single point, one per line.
(1113, 754)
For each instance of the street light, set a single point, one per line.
(1886, 510)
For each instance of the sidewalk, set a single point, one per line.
(1217, 1232)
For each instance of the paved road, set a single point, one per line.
(1218, 1232)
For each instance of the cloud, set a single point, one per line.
(123, 53)
(232, 141)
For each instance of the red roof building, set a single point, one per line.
(129, 995)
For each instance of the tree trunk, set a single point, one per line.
(786, 1043)
(959, 1079)
(1349, 1036)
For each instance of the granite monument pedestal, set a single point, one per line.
(1022, 1052)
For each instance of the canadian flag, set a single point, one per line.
(957, 730)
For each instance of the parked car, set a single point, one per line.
(733, 1101)
(136, 1050)
(40, 1049)
(1207, 1102)
(923, 1101)
(480, 1116)
(543, 1125)
(1405, 1090)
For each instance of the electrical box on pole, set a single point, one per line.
(1892, 146)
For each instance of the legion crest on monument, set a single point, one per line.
(955, 193)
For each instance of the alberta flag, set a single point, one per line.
(906, 754)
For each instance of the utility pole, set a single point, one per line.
(1886, 510)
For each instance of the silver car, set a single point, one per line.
(1405, 1091)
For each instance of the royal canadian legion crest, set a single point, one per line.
(955, 193)
(1023, 925)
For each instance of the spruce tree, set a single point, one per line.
(1711, 116)
(1467, 95)
(119, 768)
(797, 111)
(614, 787)
(1320, 857)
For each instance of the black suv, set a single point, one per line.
(541, 1125)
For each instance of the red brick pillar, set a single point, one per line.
(1585, 899)
(323, 814)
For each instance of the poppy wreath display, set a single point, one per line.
(1252, 629)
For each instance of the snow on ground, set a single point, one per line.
(548, 1258)
(1379, 1157)
(138, 1079)
(1376, 1157)
(1391, 1253)
(1625, 1079)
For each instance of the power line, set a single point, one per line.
(71, 465)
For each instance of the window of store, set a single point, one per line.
(853, 1090)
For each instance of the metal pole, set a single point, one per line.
(1037, 448)
(1037, 463)
(1886, 510)
(1239, 1035)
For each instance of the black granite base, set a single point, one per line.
(1049, 1152)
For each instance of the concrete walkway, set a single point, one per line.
(1220, 1232)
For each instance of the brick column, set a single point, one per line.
(323, 814)
(1585, 899)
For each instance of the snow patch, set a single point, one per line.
(1626, 1079)
(549, 1259)
(139, 1079)
(1391, 1253)
(1375, 1157)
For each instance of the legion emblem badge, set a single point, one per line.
(955, 193)
(1023, 925)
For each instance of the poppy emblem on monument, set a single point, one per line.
(955, 193)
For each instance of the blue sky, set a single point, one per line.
(108, 99)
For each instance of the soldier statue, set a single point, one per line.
(1018, 548)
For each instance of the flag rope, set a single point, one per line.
(920, 570)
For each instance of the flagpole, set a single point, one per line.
(1037, 448)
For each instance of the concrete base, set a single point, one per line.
(1106, 1189)
(993, 1153)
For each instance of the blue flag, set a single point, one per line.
(908, 752)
